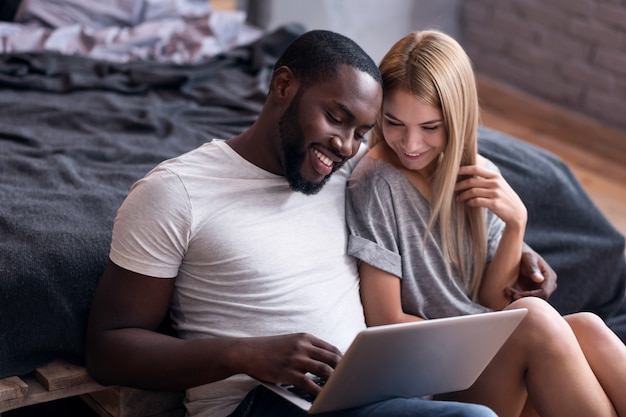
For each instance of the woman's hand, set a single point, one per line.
(488, 189)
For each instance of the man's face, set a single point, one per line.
(291, 135)
(324, 125)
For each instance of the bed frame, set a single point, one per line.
(51, 382)
(60, 379)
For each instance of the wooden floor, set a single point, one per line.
(596, 154)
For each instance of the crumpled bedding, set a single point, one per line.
(75, 134)
(175, 31)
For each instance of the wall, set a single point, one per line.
(568, 52)
(373, 24)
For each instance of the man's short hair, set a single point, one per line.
(316, 55)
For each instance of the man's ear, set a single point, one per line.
(283, 84)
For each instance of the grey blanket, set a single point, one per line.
(76, 133)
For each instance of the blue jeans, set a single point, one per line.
(261, 402)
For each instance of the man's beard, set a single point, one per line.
(290, 136)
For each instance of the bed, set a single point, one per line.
(86, 111)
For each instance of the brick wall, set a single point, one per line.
(568, 52)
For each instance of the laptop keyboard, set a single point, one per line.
(300, 392)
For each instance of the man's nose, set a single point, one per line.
(343, 144)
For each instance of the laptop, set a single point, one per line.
(411, 360)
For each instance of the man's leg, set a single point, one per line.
(262, 402)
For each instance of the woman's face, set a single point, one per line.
(414, 131)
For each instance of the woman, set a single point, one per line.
(439, 232)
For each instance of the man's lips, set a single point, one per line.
(325, 160)
(322, 163)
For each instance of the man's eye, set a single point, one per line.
(333, 119)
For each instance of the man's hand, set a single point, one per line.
(286, 359)
(536, 278)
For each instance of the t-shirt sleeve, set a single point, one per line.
(371, 219)
(152, 226)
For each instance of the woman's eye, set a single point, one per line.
(431, 127)
(392, 123)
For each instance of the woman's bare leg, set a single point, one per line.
(542, 362)
(605, 353)
(529, 410)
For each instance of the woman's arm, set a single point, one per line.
(502, 272)
(488, 189)
(381, 298)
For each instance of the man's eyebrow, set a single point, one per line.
(346, 110)
(351, 115)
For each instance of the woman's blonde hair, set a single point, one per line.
(434, 68)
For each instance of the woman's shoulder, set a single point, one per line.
(486, 162)
(372, 177)
(372, 169)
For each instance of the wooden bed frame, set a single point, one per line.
(60, 379)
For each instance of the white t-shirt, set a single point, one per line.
(250, 256)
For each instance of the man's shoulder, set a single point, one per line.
(209, 156)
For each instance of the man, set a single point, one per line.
(252, 268)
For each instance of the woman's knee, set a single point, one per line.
(588, 324)
(542, 320)
(585, 319)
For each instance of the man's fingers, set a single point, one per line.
(536, 274)
(513, 294)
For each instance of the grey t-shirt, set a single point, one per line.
(387, 218)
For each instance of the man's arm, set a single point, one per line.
(124, 346)
(536, 277)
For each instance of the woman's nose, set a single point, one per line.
(412, 137)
